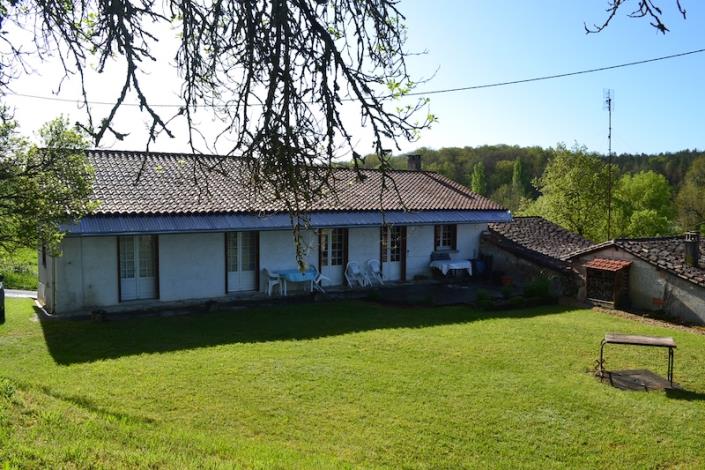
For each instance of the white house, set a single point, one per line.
(159, 236)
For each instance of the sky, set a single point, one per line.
(658, 107)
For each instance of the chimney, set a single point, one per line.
(413, 162)
(692, 248)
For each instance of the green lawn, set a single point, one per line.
(341, 385)
(19, 269)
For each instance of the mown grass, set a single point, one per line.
(19, 269)
(341, 385)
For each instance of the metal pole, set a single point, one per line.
(609, 170)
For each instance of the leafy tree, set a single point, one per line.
(574, 193)
(479, 181)
(274, 73)
(691, 197)
(41, 188)
(643, 205)
(519, 181)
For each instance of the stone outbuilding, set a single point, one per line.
(531, 247)
(665, 274)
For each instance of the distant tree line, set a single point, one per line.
(652, 195)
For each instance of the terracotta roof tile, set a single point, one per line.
(172, 183)
(608, 264)
(667, 253)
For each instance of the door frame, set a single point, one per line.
(157, 293)
(226, 253)
(402, 248)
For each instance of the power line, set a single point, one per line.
(560, 75)
(416, 93)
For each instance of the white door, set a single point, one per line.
(392, 252)
(242, 260)
(332, 255)
(138, 267)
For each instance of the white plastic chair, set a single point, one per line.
(354, 275)
(317, 283)
(374, 272)
(272, 281)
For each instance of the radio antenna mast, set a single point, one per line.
(608, 95)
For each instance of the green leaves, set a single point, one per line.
(479, 180)
(643, 205)
(42, 186)
(690, 201)
(574, 192)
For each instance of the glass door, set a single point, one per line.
(138, 267)
(241, 260)
(332, 254)
(392, 252)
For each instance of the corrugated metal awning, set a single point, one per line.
(126, 224)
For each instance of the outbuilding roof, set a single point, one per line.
(605, 264)
(666, 253)
(538, 239)
(140, 183)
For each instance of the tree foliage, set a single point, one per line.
(519, 180)
(643, 204)
(691, 197)
(574, 193)
(41, 187)
(479, 179)
(275, 75)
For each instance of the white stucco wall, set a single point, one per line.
(363, 244)
(69, 276)
(84, 275)
(100, 274)
(419, 246)
(278, 251)
(191, 266)
(46, 279)
(469, 240)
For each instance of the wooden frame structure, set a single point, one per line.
(637, 340)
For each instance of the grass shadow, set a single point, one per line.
(687, 395)
(76, 341)
(83, 402)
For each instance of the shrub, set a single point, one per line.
(539, 287)
(506, 291)
(483, 298)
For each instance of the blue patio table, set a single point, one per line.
(294, 275)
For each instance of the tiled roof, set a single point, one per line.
(667, 253)
(170, 183)
(608, 264)
(538, 238)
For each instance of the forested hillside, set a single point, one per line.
(652, 194)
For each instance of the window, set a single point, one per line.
(147, 259)
(127, 257)
(445, 237)
(332, 247)
(44, 256)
